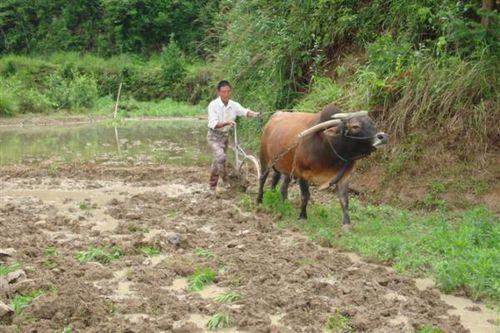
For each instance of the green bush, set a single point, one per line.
(82, 92)
(9, 103)
(34, 102)
(173, 63)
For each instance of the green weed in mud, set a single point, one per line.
(84, 205)
(19, 302)
(204, 253)
(459, 249)
(149, 251)
(200, 278)
(99, 255)
(227, 297)
(220, 320)
(112, 309)
(53, 170)
(50, 253)
(4, 270)
(338, 323)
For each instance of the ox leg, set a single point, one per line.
(305, 195)
(343, 195)
(284, 187)
(262, 181)
(276, 179)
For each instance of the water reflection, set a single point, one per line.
(134, 142)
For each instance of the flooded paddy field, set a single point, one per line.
(113, 229)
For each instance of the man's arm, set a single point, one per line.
(253, 114)
(241, 111)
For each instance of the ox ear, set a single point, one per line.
(333, 132)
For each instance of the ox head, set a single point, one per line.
(352, 134)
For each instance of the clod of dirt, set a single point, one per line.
(7, 252)
(6, 313)
(186, 327)
(174, 239)
(11, 278)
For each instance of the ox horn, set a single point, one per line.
(320, 126)
(350, 115)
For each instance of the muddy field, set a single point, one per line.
(287, 283)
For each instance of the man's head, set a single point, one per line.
(224, 91)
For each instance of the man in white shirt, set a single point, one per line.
(222, 113)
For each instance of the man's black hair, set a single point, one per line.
(222, 84)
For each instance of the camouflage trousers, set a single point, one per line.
(218, 142)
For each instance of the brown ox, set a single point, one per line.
(316, 148)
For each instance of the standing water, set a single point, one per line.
(180, 142)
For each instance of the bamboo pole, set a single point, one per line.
(117, 100)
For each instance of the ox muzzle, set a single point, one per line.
(380, 140)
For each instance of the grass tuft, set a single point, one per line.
(204, 253)
(200, 278)
(19, 302)
(220, 320)
(4, 270)
(99, 255)
(228, 297)
(149, 251)
(338, 323)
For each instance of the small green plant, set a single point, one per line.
(172, 213)
(112, 309)
(149, 251)
(429, 329)
(53, 170)
(22, 301)
(437, 187)
(227, 297)
(4, 270)
(51, 251)
(203, 253)
(84, 205)
(338, 323)
(99, 255)
(200, 278)
(220, 320)
(247, 203)
(67, 329)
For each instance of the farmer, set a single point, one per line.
(222, 113)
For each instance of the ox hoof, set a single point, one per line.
(346, 227)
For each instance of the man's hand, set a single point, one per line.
(225, 123)
(253, 114)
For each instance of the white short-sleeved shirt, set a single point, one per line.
(218, 113)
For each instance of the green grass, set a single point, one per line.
(149, 251)
(220, 320)
(460, 250)
(338, 323)
(4, 270)
(19, 302)
(84, 205)
(227, 297)
(200, 278)
(99, 255)
(204, 253)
